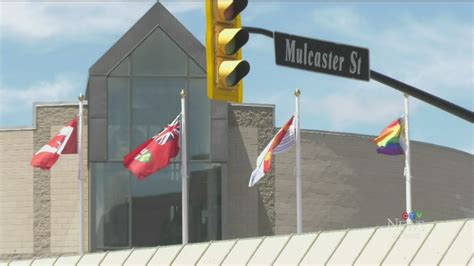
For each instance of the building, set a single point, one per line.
(133, 92)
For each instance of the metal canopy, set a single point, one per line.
(443, 243)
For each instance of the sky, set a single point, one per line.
(46, 49)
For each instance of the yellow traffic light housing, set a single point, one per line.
(224, 38)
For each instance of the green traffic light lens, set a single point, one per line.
(239, 73)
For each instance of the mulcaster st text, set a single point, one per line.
(321, 56)
(324, 60)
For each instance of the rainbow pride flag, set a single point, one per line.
(391, 141)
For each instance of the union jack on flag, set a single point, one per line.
(156, 152)
(169, 133)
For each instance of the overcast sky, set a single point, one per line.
(46, 50)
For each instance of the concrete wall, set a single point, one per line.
(248, 211)
(39, 210)
(346, 184)
(241, 203)
(16, 194)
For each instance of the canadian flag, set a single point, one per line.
(65, 142)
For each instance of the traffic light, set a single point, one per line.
(224, 38)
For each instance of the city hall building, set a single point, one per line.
(133, 91)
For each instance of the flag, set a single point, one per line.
(155, 153)
(65, 142)
(391, 141)
(282, 141)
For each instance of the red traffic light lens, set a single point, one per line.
(234, 9)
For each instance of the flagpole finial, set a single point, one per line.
(81, 97)
(183, 93)
(297, 92)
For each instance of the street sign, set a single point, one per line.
(322, 56)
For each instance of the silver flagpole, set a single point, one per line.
(80, 176)
(184, 169)
(299, 211)
(407, 162)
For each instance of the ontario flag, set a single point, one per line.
(155, 153)
(282, 141)
(65, 142)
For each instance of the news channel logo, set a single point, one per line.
(412, 215)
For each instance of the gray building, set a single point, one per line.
(133, 92)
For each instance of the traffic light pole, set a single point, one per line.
(398, 85)
(424, 96)
(260, 31)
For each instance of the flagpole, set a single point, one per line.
(407, 161)
(299, 211)
(81, 176)
(184, 169)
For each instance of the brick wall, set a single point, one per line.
(39, 209)
(56, 190)
(241, 206)
(65, 201)
(16, 194)
(346, 184)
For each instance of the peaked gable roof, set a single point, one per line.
(156, 16)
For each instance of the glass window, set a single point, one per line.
(122, 69)
(159, 55)
(199, 120)
(204, 202)
(156, 208)
(195, 70)
(118, 102)
(111, 183)
(143, 96)
(155, 103)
